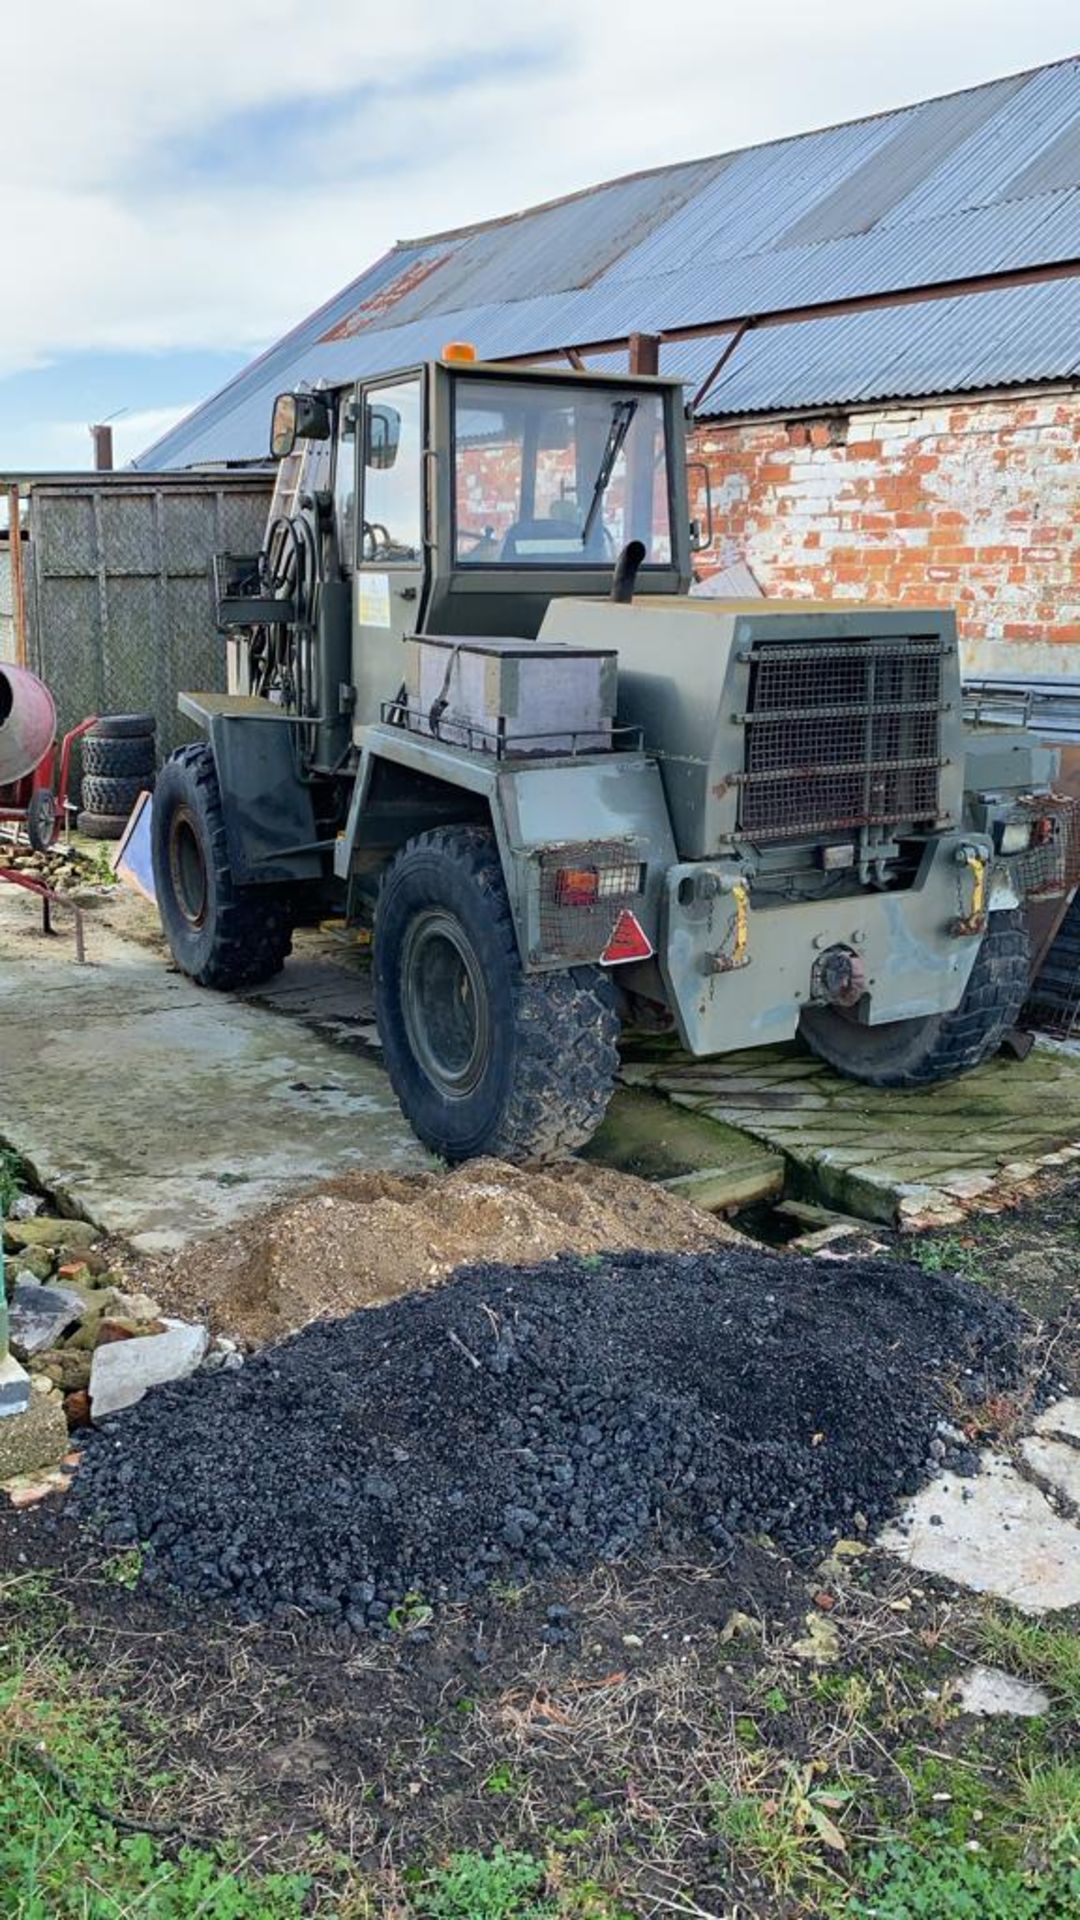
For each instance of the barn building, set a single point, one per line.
(878, 325)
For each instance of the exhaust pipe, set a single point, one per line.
(27, 723)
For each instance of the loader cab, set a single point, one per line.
(468, 496)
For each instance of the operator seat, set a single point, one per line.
(549, 540)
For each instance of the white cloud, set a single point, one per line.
(113, 241)
(65, 446)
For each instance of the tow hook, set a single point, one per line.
(975, 920)
(839, 977)
(722, 961)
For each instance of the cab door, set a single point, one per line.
(389, 538)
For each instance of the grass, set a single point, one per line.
(1035, 1651)
(947, 1253)
(10, 1182)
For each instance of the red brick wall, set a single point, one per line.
(972, 504)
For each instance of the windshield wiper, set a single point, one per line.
(622, 414)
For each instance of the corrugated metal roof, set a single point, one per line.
(980, 182)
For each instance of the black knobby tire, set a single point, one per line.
(124, 726)
(106, 795)
(118, 759)
(484, 1058)
(916, 1053)
(221, 934)
(102, 826)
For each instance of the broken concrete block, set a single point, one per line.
(994, 1533)
(122, 1372)
(14, 1386)
(989, 1690)
(38, 1316)
(34, 1440)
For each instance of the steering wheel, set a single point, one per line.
(375, 538)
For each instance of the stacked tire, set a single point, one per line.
(119, 760)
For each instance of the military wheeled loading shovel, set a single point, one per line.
(472, 701)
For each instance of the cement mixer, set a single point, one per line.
(30, 795)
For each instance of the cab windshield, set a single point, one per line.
(553, 476)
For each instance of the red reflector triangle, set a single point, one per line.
(628, 942)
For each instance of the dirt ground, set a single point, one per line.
(676, 1751)
(367, 1238)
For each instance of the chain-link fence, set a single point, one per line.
(119, 594)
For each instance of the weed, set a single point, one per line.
(947, 1253)
(10, 1184)
(502, 1780)
(784, 1834)
(496, 1886)
(411, 1612)
(124, 1569)
(949, 1882)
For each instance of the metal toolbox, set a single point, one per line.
(522, 697)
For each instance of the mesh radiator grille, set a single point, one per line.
(841, 734)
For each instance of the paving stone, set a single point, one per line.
(990, 1690)
(994, 1533)
(124, 1371)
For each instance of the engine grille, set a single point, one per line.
(841, 734)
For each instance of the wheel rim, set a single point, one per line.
(445, 1004)
(187, 867)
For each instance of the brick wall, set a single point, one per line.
(970, 504)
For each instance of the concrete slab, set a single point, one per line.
(708, 1163)
(1062, 1419)
(898, 1158)
(994, 1533)
(161, 1111)
(1056, 1466)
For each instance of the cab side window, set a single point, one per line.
(392, 527)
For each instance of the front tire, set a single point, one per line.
(916, 1053)
(484, 1058)
(221, 934)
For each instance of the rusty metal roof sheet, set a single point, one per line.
(986, 181)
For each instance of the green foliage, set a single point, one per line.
(124, 1569)
(64, 1765)
(496, 1886)
(946, 1253)
(411, 1612)
(949, 1882)
(10, 1184)
(502, 1780)
(59, 1861)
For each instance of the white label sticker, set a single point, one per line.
(373, 599)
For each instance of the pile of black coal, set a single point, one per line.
(519, 1421)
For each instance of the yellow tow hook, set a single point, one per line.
(739, 956)
(975, 920)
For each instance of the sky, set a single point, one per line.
(186, 179)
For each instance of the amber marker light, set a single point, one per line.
(459, 351)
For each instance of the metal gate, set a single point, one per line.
(119, 599)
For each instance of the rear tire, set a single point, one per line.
(102, 826)
(916, 1053)
(484, 1058)
(101, 793)
(124, 726)
(221, 934)
(118, 759)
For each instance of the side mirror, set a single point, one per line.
(701, 537)
(383, 436)
(298, 416)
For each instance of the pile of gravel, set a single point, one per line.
(519, 1421)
